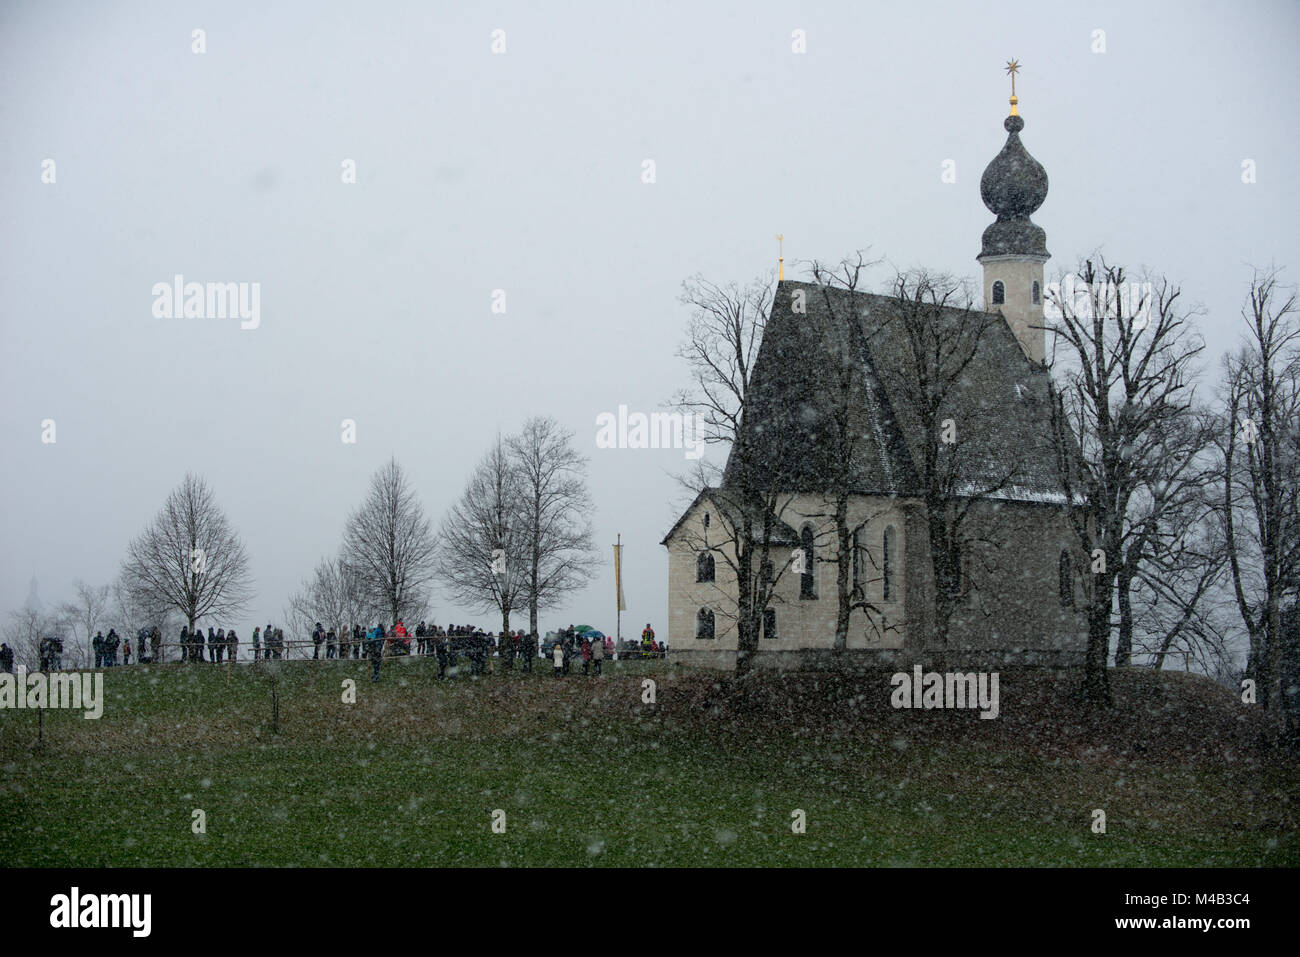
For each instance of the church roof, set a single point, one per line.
(1000, 404)
(782, 532)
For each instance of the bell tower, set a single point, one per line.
(1013, 186)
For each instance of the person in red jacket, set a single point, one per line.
(399, 630)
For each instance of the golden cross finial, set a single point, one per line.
(1013, 67)
(780, 239)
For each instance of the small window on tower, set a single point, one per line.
(999, 292)
(1036, 292)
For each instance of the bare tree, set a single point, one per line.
(130, 615)
(1176, 603)
(1125, 387)
(721, 349)
(846, 437)
(84, 616)
(1174, 473)
(555, 505)
(485, 556)
(189, 558)
(333, 595)
(24, 631)
(1261, 460)
(389, 542)
(938, 335)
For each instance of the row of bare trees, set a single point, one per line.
(1190, 508)
(1187, 506)
(519, 536)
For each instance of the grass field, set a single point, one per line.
(587, 774)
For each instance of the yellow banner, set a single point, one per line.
(618, 576)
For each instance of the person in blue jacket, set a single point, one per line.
(375, 648)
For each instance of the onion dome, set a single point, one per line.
(1013, 186)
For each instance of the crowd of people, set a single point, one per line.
(447, 644)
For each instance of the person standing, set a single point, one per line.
(375, 648)
(597, 654)
(586, 655)
(331, 645)
(529, 650)
(440, 649)
(6, 659)
(98, 644)
(317, 636)
(218, 650)
(557, 655)
(257, 643)
(126, 652)
(110, 648)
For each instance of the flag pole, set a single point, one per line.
(618, 595)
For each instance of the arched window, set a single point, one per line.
(859, 569)
(999, 292)
(889, 562)
(705, 567)
(1036, 293)
(807, 581)
(769, 622)
(704, 624)
(1065, 584)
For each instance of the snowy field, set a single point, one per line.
(583, 771)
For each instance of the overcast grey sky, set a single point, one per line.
(522, 171)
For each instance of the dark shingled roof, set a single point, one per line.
(1001, 403)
